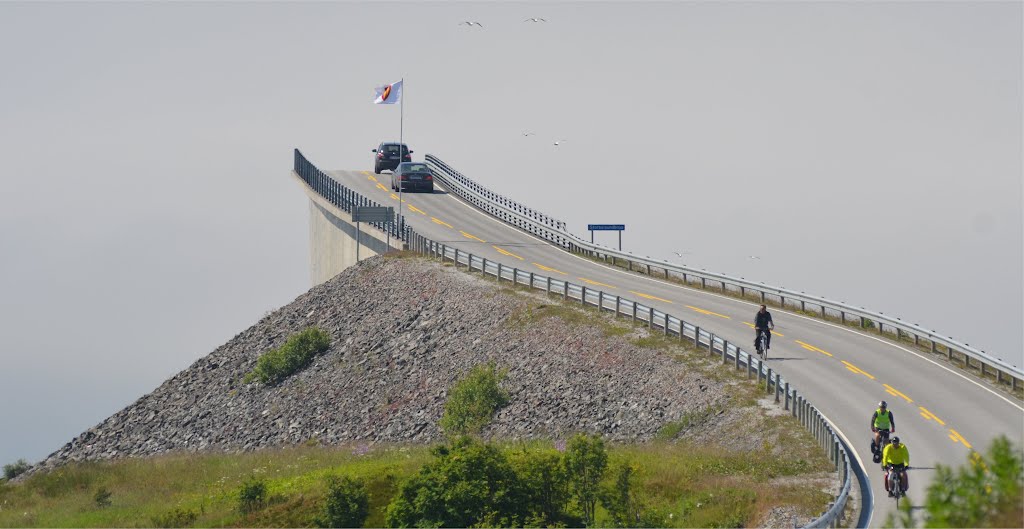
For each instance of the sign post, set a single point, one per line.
(607, 227)
(381, 214)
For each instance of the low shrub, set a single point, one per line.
(296, 353)
(473, 400)
(102, 497)
(175, 518)
(252, 495)
(347, 505)
(15, 469)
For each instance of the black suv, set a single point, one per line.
(411, 176)
(387, 156)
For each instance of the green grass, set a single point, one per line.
(732, 488)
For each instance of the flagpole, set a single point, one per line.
(401, 155)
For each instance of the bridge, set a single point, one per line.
(947, 398)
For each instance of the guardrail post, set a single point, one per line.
(743, 292)
(634, 312)
(750, 366)
(600, 301)
(863, 324)
(703, 283)
(982, 368)
(583, 297)
(1013, 383)
(650, 318)
(768, 381)
(565, 290)
(793, 405)
(917, 340)
(835, 453)
(648, 269)
(785, 406)
(725, 351)
(782, 301)
(823, 312)
(711, 343)
(483, 268)
(618, 303)
(666, 324)
(760, 371)
(737, 358)
(762, 297)
(803, 305)
(778, 381)
(515, 276)
(696, 336)
(935, 346)
(549, 285)
(531, 280)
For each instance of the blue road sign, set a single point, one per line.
(606, 227)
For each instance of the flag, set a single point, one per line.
(388, 94)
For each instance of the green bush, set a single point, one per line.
(252, 495)
(175, 518)
(468, 484)
(585, 463)
(620, 499)
(347, 505)
(296, 353)
(473, 400)
(15, 469)
(102, 498)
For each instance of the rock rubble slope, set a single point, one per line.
(403, 330)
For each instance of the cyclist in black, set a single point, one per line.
(763, 320)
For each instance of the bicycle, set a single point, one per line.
(896, 485)
(876, 450)
(762, 343)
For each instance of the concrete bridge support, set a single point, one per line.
(332, 238)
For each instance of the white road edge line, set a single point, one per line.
(886, 342)
(860, 461)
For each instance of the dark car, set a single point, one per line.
(387, 156)
(412, 175)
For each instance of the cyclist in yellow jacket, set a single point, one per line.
(896, 458)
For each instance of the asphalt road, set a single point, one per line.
(940, 413)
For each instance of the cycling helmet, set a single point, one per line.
(882, 404)
(895, 440)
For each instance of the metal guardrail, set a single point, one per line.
(346, 199)
(552, 230)
(669, 325)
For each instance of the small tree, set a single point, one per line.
(546, 488)
(473, 400)
(585, 463)
(347, 505)
(620, 499)
(987, 492)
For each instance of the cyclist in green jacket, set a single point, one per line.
(881, 420)
(896, 457)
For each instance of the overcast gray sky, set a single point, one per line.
(869, 152)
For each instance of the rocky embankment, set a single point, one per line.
(403, 330)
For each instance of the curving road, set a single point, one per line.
(940, 413)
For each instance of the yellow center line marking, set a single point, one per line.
(957, 438)
(370, 176)
(648, 296)
(549, 269)
(708, 312)
(381, 186)
(436, 220)
(774, 332)
(469, 236)
(506, 252)
(810, 347)
(394, 196)
(857, 370)
(930, 416)
(592, 282)
(416, 209)
(892, 391)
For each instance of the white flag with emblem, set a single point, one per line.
(388, 94)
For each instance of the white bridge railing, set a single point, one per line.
(550, 229)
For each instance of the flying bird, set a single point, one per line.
(535, 19)
(681, 254)
(470, 23)
(559, 141)
(528, 134)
